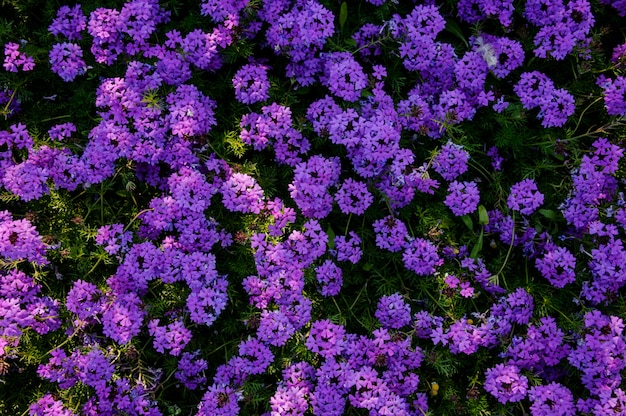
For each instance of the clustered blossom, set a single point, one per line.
(551, 399)
(451, 161)
(535, 89)
(557, 265)
(19, 240)
(614, 95)
(62, 131)
(241, 193)
(348, 249)
(391, 234)
(251, 84)
(66, 60)
(191, 369)
(563, 26)
(312, 179)
(593, 184)
(154, 121)
(69, 22)
(113, 238)
(190, 111)
(345, 76)
(421, 257)
(173, 337)
(505, 383)
(329, 276)
(525, 197)
(14, 59)
(462, 198)
(600, 353)
(393, 312)
(353, 197)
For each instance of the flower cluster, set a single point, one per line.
(14, 59)
(535, 89)
(251, 84)
(320, 114)
(66, 60)
(525, 197)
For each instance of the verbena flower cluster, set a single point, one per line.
(314, 207)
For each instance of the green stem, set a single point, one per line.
(583, 113)
(508, 253)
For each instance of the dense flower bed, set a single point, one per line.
(312, 207)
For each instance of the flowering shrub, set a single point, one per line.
(312, 207)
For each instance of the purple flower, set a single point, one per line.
(329, 277)
(26, 180)
(353, 197)
(220, 400)
(251, 84)
(61, 131)
(256, 356)
(123, 318)
(393, 312)
(421, 257)
(615, 96)
(344, 76)
(190, 111)
(289, 401)
(557, 265)
(191, 368)
(326, 338)
(19, 240)
(241, 193)
(525, 197)
(66, 60)
(462, 198)
(113, 237)
(451, 161)
(551, 399)
(18, 137)
(13, 59)
(85, 300)
(348, 249)
(173, 337)
(69, 22)
(207, 299)
(309, 188)
(391, 234)
(48, 406)
(105, 26)
(505, 383)
(275, 328)
(475, 11)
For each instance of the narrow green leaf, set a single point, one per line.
(467, 220)
(456, 30)
(343, 15)
(331, 238)
(483, 217)
(478, 246)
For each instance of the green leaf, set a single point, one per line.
(548, 213)
(343, 15)
(331, 238)
(367, 267)
(467, 220)
(455, 29)
(350, 42)
(483, 217)
(478, 246)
